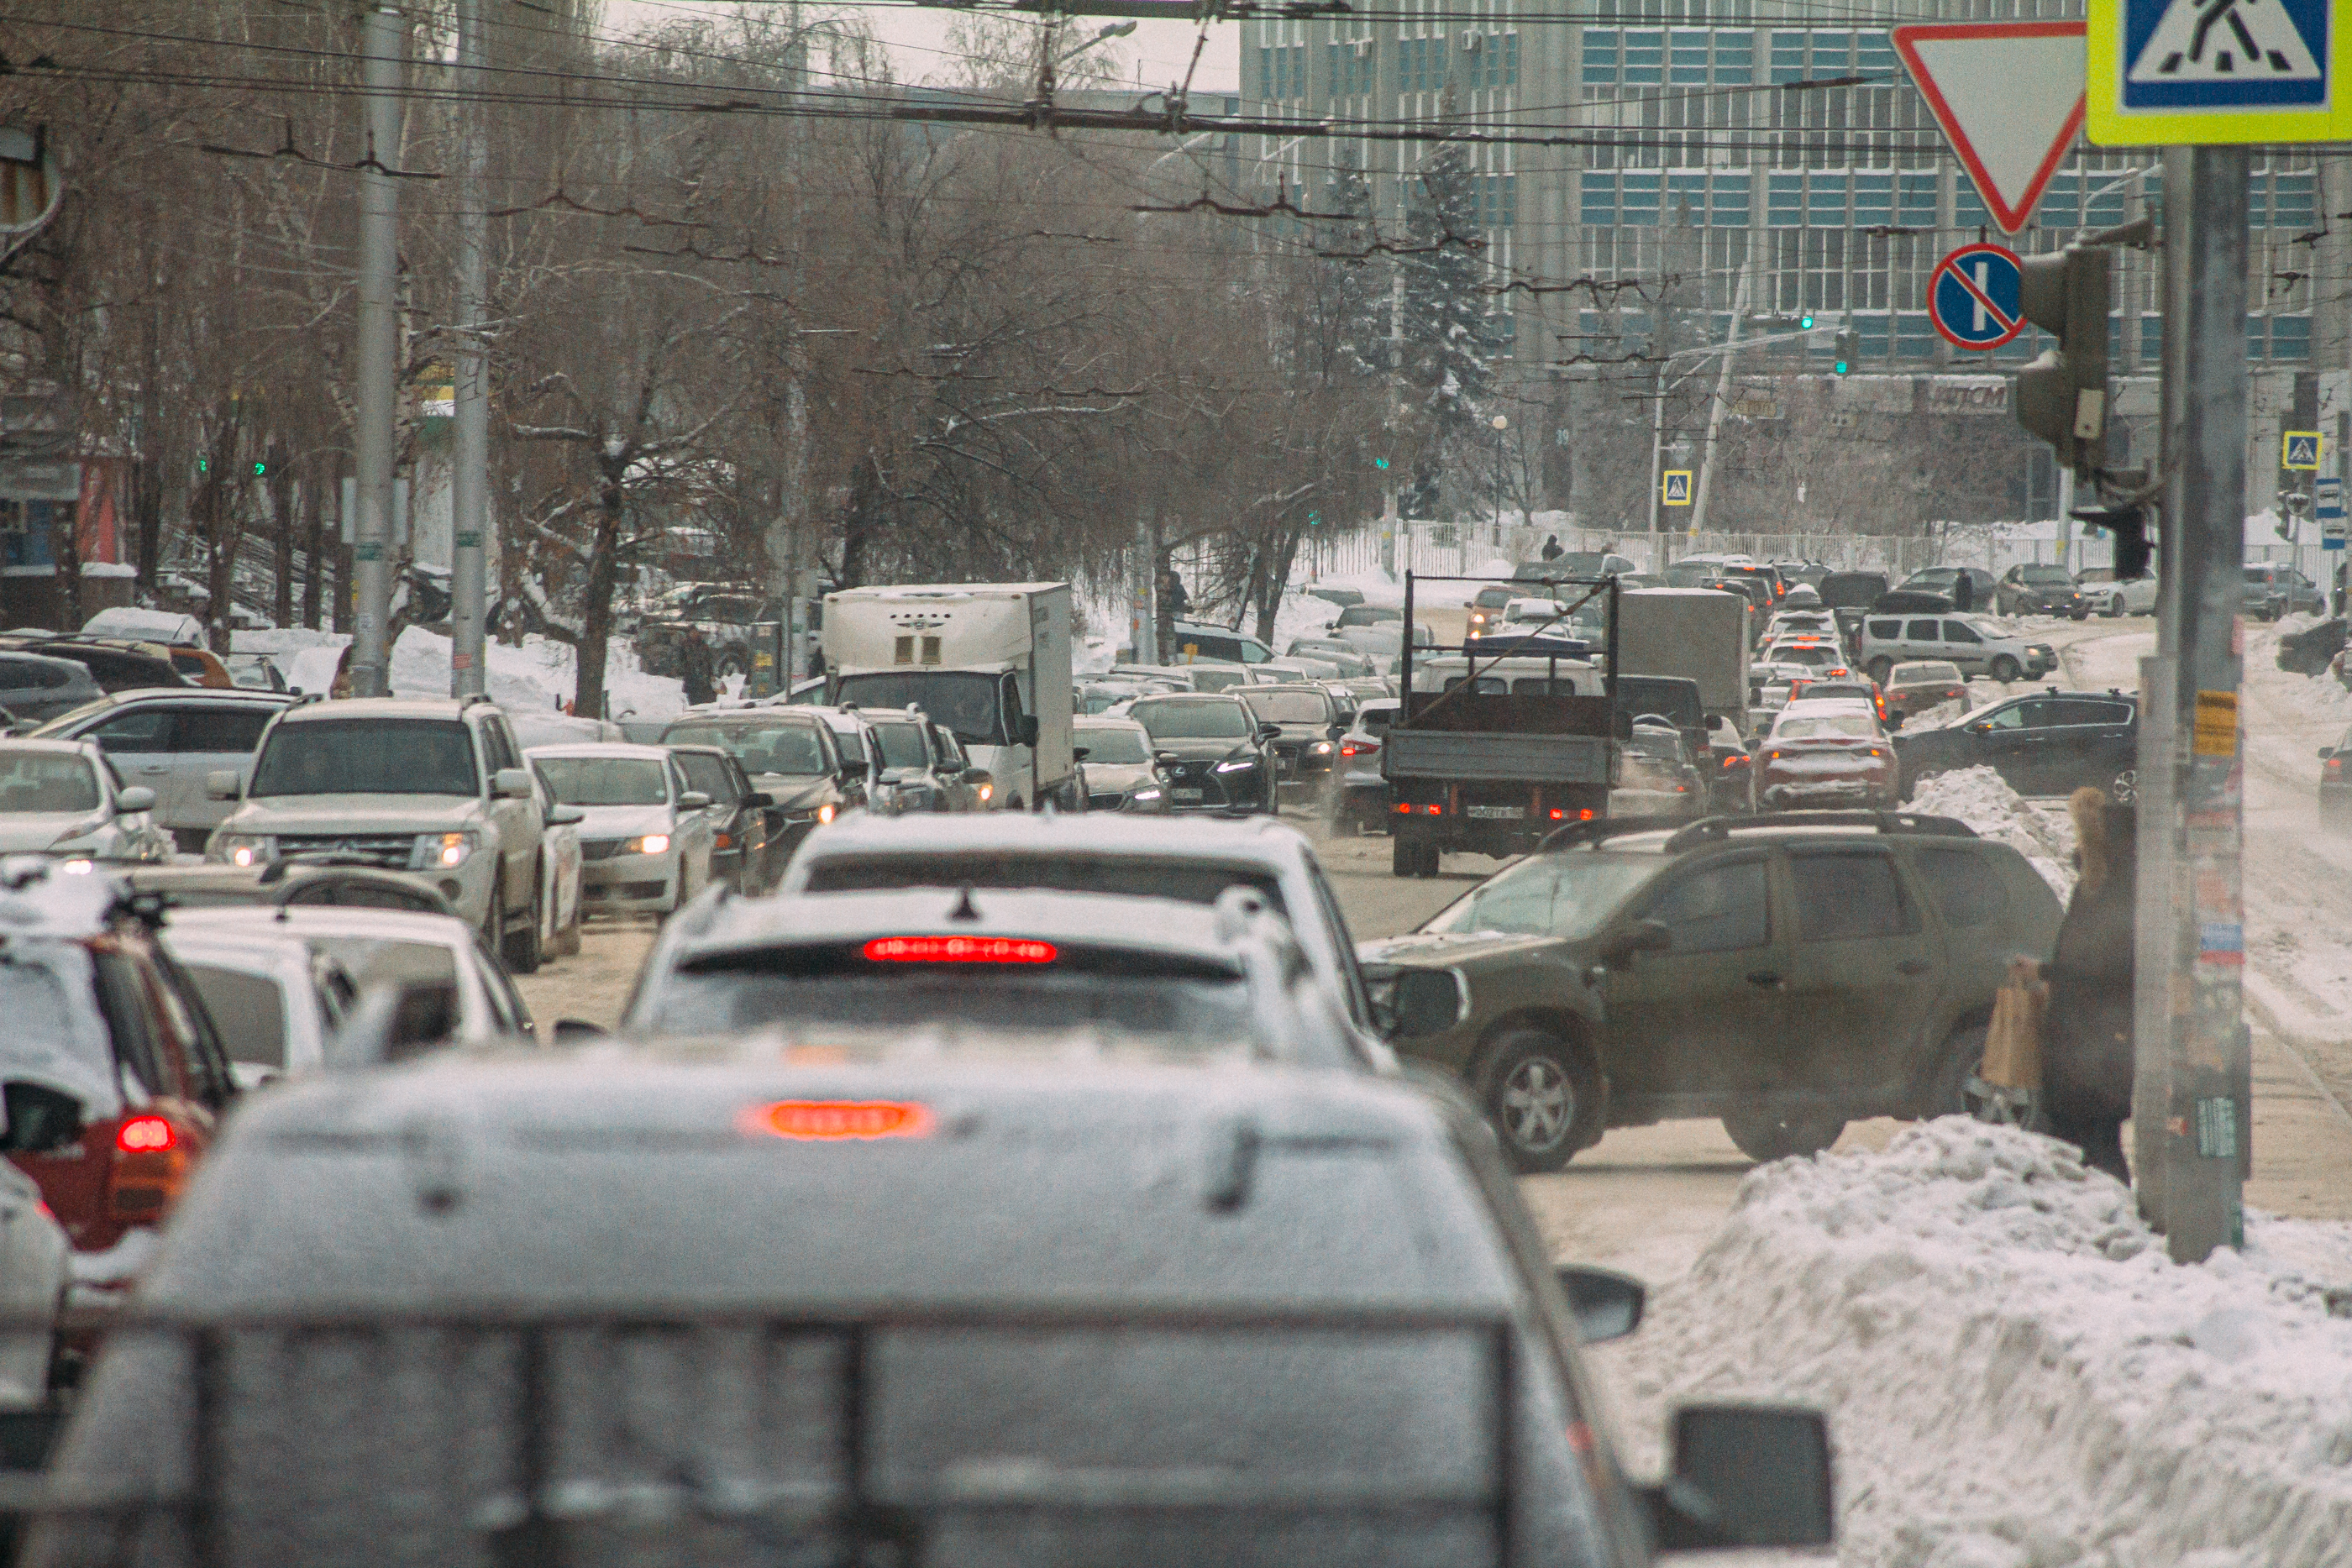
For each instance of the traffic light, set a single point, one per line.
(2129, 526)
(1805, 322)
(204, 465)
(1849, 351)
(2062, 396)
(260, 469)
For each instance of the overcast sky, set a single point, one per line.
(917, 40)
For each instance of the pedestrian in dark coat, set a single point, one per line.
(2086, 1044)
(1964, 593)
(1551, 551)
(694, 664)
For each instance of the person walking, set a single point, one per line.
(694, 665)
(2086, 1035)
(1551, 551)
(1964, 593)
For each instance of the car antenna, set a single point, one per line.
(964, 908)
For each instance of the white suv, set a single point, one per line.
(433, 787)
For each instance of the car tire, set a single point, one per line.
(1543, 1097)
(1947, 1088)
(1763, 1136)
(1405, 857)
(1880, 668)
(2005, 663)
(519, 950)
(2114, 610)
(2123, 789)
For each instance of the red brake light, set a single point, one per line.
(837, 1121)
(959, 950)
(2334, 765)
(146, 1135)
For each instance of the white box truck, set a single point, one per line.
(1697, 633)
(991, 661)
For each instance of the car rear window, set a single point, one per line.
(605, 780)
(249, 1010)
(46, 781)
(1114, 876)
(1966, 888)
(377, 960)
(787, 748)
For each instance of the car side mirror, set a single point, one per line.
(1607, 1305)
(2325, 752)
(510, 784)
(1163, 757)
(693, 800)
(138, 798)
(1895, 720)
(1642, 936)
(572, 1031)
(562, 815)
(221, 784)
(1080, 753)
(759, 800)
(1424, 1002)
(395, 1023)
(1268, 731)
(1745, 1475)
(1028, 729)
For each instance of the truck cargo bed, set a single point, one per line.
(1466, 755)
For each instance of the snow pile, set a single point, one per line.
(535, 677)
(2015, 1374)
(1983, 799)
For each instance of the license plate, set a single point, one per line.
(1185, 794)
(1499, 813)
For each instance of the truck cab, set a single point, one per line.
(990, 663)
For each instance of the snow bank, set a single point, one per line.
(534, 678)
(2015, 1374)
(1983, 799)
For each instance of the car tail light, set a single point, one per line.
(151, 1164)
(723, 841)
(1562, 814)
(2335, 765)
(1736, 760)
(1874, 751)
(839, 1121)
(959, 950)
(1406, 809)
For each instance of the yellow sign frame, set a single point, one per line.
(2108, 123)
(1675, 494)
(2287, 450)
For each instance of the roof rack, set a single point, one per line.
(1601, 827)
(1716, 830)
(470, 698)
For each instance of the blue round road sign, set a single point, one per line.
(1973, 297)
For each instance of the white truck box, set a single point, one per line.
(1698, 634)
(984, 659)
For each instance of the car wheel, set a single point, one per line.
(1544, 1098)
(2079, 615)
(1764, 1136)
(521, 950)
(2005, 669)
(1405, 857)
(1947, 1091)
(1880, 669)
(2114, 611)
(732, 662)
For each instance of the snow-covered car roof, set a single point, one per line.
(603, 750)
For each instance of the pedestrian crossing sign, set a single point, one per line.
(1678, 491)
(2207, 72)
(2300, 450)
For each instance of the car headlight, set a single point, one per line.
(651, 844)
(1243, 766)
(1320, 748)
(443, 852)
(987, 792)
(246, 849)
(1145, 795)
(824, 813)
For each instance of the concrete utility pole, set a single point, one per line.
(1714, 412)
(382, 45)
(470, 480)
(2210, 1072)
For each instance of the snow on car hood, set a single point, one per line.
(1825, 762)
(39, 830)
(1105, 777)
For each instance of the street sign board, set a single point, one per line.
(1973, 297)
(2008, 96)
(2201, 72)
(2327, 506)
(2299, 449)
(1678, 487)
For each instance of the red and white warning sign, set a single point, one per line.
(2008, 96)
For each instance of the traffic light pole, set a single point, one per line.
(379, 253)
(471, 475)
(2203, 1141)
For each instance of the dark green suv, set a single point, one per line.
(1787, 973)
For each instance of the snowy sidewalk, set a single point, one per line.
(2015, 1374)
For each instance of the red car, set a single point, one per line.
(1827, 752)
(113, 1075)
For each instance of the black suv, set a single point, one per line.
(2050, 743)
(2040, 591)
(1787, 973)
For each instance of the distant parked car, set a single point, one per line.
(1945, 580)
(2273, 590)
(35, 688)
(1977, 646)
(2040, 591)
(2104, 594)
(2335, 787)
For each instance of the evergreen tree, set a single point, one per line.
(1359, 275)
(1450, 337)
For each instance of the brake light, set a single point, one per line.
(1359, 748)
(1562, 814)
(1406, 809)
(1734, 760)
(723, 841)
(839, 1121)
(146, 1135)
(959, 950)
(2334, 765)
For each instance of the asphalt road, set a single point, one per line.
(1647, 1198)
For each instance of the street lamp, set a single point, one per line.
(1500, 425)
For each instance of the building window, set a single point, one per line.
(1498, 200)
(1640, 201)
(1968, 207)
(1915, 336)
(1825, 203)
(1421, 64)
(1735, 59)
(1282, 72)
(1788, 58)
(1601, 56)
(2279, 201)
(1731, 201)
(2282, 339)
(1497, 62)
(1598, 203)
(1687, 59)
(1354, 67)
(1874, 200)
(1645, 54)
(1784, 201)
(1919, 195)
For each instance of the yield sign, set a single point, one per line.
(2009, 98)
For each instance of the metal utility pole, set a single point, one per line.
(383, 43)
(470, 480)
(1501, 424)
(2209, 1067)
(1144, 635)
(1714, 411)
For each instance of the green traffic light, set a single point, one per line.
(204, 464)
(1841, 367)
(260, 469)
(1805, 323)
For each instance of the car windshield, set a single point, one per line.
(965, 701)
(1926, 674)
(1824, 726)
(1280, 706)
(367, 756)
(1565, 894)
(2047, 577)
(1115, 745)
(779, 747)
(1368, 615)
(1124, 992)
(902, 746)
(1224, 720)
(605, 780)
(47, 781)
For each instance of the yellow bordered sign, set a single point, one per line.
(2182, 73)
(1678, 487)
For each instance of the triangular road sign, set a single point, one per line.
(2008, 96)
(2234, 41)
